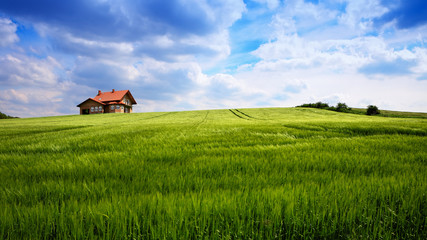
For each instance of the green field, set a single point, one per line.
(220, 174)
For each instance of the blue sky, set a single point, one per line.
(204, 54)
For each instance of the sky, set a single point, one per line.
(176, 55)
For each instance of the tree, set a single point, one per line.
(321, 105)
(4, 116)
(342, 107)
(372, 110)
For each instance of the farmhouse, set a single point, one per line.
(108, 102)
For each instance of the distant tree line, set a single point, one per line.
(4, 116)
(340, 107)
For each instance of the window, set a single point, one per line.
(117, 107)
(91, 109)
(100, 108)
(96, 109)
(112, 107)
(122, 107)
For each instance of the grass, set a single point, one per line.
(220, 174)
(388, 113)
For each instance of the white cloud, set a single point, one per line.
(328, 67)
(420, 54)
(50, 100)
(7, 32)
(359, 14)
(27, 71)
(271, 4)
(12, 95)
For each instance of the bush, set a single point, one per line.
(372, 110)
(342, 107)
(315, 105)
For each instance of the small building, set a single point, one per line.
(108, 102)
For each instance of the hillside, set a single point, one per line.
(389, 113)
(239, 173)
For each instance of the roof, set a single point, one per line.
(92, 100)
(115, 96)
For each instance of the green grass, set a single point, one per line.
(388, 113)
(273, 173)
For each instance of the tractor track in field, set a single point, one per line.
(196, 125)
(243, 115)
(249, 116)
(235, 112)
(158, 116)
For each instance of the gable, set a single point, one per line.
(130, 97)
(90, 100)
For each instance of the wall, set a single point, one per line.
(106, 109)
(115, 110)
(88, 105)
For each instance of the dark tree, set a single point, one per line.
(342, 107)
(372, 110)
(4, 116)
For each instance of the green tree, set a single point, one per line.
(372, 110)
(342, 107)
(4, 116)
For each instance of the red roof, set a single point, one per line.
(91, 100)
(113, 97)
(97, 101)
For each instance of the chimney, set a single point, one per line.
(99, 92)
(113, 91)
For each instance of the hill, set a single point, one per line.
(389, 113)
(238, 173)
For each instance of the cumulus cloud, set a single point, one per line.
(342, 59)
(13, 95)
(271, 4)
(48, 100)
(359, 15)
(7, 32)
(19, 70)
(129, 20)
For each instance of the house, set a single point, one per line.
(108, 102)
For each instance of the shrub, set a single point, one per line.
(342, 107)
(372, 110)
(315, 105)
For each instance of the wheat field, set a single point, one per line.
(267, 173)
